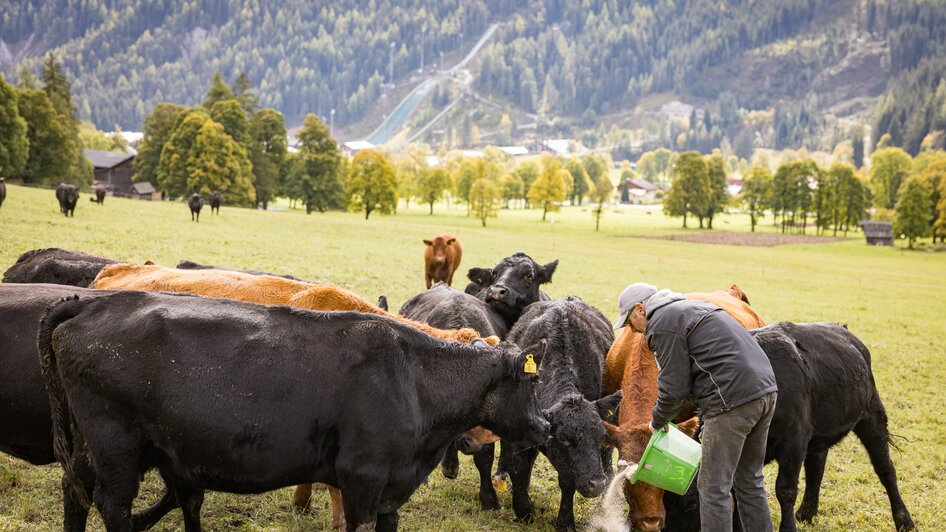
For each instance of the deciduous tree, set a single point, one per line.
(913, 210)
(889, 167)
(483, 198)
(756, 192)
(321, 188)
(14, 143)
(158, 127)
(372, 185)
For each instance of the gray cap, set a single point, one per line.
(632, 295)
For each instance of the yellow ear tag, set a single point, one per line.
(529, 366)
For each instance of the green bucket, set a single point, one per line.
(670, 461)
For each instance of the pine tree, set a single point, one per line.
(245, 94)
(322, 188)
(372, 185)
(219, 90)
(14, 143)
(913, 210)
(268, 150)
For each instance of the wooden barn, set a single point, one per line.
(113, 169)
(878, 233)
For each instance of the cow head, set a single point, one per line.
(645, 502)
(510, 408)
(513, 284)
(578, 435)
(71, 195)
(439, 247)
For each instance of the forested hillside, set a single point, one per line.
(807, 62)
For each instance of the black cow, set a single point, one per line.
(68, 196)
(215, 199)
(203, 389)
(3, 191)
(826, 389)
(447, 308)
(569, 339)
(196, 202)
(512, 285)
(25, 417)
(191, 265)
(56, 266)
(99, 195)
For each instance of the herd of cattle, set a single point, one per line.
(68, 197)
(246, 381)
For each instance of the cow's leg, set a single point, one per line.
(520, 472)
(338, 509)
(814, 472)
(361, 484)
(190, 500)
(387, 522)
(75, 514)
(150, 516)
(450, 465)
(114, 495)
(483, 459)
(786, 484)
(566, 508)
(873, 433)
(301, 497)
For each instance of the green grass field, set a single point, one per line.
(893, 299)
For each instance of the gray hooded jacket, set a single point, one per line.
(703, 355)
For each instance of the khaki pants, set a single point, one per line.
(733, 455)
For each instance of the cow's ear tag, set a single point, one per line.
(529, 366)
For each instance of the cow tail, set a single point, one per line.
(64, 429)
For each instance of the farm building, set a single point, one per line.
(878, 233)
(113, 169)
(638, 191)
(145, 191)
(352, 147)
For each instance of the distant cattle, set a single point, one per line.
(25, 417)
(191, 265)
(56, 266)
(3, 191)
(447, 308)
(99, 195)
(631, 367)
(511, 285)
(68, 196)
(441, 258)
(569, 340)
(196, 202)
(215, 199)
(198, 388)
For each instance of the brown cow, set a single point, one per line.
(637, 378)
(266, 290)
(441, 258)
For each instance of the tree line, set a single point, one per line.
(908, 191)
(39, 133)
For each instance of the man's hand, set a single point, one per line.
(665, 428)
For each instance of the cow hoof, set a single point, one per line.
(489, 502)
(451, 471)
(806, 514)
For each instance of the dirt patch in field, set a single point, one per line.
(733, 238)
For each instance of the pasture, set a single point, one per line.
(892, 299)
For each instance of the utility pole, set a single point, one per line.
(391, 66)
(423, 42)
(331, 123)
